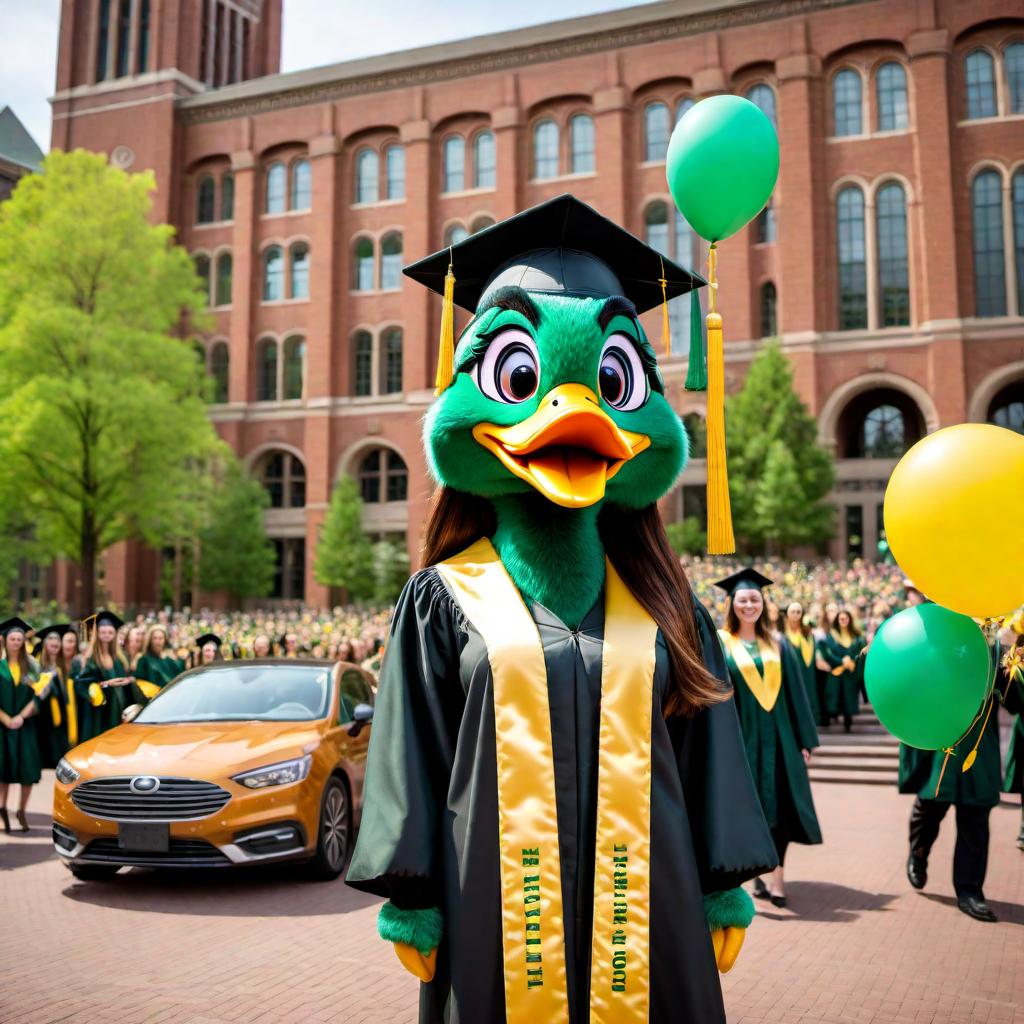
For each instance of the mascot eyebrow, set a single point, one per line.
(514, 299)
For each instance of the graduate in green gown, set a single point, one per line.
(105, 676)
(775, 718)
(20, 760)
(1012, 668)
(800, 637)
(59, 709)
(840, 649)
(156, 667)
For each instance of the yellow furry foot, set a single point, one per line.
(422, 966)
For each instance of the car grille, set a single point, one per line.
(175, 800)
(182, 853)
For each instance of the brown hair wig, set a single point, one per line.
(638, 547)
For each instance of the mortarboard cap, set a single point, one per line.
(208, 638)
(59, 628)
(745, 579)
(12, 624)
(104, 618)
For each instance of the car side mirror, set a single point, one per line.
(131, 712)
(361, 716)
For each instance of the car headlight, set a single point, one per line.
(65, 773)
(281, 774)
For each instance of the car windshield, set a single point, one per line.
(243, 693)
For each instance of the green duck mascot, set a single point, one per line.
(558, 807)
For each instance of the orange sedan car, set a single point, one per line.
(237, 762)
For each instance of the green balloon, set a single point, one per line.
(927, 673)
(723, 162)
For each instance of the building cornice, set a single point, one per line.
(559, 40)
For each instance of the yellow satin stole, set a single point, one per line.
(803, 644)
(765, 688)
(533, 932)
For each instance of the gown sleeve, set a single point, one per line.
(804, 729)
(731, 840)
(410, 754)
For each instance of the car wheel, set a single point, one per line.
(93, 872)
(333, 837)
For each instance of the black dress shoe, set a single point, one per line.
(760, 889)
(5, 819)
(22, 820)
(978, 909)
(778, 901)
(917, 872)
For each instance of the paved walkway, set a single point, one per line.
(857, 944)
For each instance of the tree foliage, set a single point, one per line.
(390, 570)
(687, 536)
(344, 554)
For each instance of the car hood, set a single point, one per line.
(199, 750)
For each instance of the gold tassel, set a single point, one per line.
(666, 330)
(720, 535)
(446, 351)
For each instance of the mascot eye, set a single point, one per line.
(621, 377)
(509, 369)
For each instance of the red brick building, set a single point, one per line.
(890, 264)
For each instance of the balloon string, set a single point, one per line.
(948, 751)
(713, 279)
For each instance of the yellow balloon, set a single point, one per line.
(954, 515)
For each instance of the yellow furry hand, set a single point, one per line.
(727, 942)
(419, 965)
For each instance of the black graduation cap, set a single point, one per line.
(12, 624)
(745, 579)
(562, 247)
(104, 618)
(59, 628)
(208, 638)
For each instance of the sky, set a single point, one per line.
(315, 32)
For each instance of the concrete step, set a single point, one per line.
(858, 739)
(849, 778)
(868, 765)
(858, 750)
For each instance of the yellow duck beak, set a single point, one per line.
(568, 449)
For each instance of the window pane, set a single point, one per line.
(142, 50)
(219, 371)
(656, 132)
(398, 478)
(484, 161)
(391, 262)
(369, 478)
(853, 285)
(394, 165)
(273, 274)
(884, 433)
(656, 225)
(545, 150)
(454, 172)
(846, 102)
(227, 197)
(363, 265)
(366, 176)
(266, 380)
(893, 269)
(981, 85)
(989, 266)
(103, 40)
(302, 185)
(480, 223)
(202, 265)
(363, 370)
(276, 185)
(892, 98)
(124, 21)
(687, 255)
(682, 107)
(223, 297)
(205, 201)
(763, 97)
(456, 233)
(1017, 194)
(1013, 59)
(300, 271)
(581, 140)
(1007, 408)
(766, 225)
(294, 364)
(769, 324)
(392, 375)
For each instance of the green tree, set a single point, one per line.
(344, 554)
(687, 536)
(767, 415)
(235, 553)
(102, 398)
(390, 570)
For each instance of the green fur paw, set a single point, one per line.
(421, 929)
(730, 909)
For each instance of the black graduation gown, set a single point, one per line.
(429, 831)
(842, 691)
(19, 748)
(159, 671)
(98, 719)
(52, 733)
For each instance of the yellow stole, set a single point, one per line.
(803, 644)
(533, 932)
(765, 688)
(39, 686)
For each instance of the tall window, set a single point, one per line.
(981, 84)
(284, 478)
(227, 196)
(989, 265)
(682, 107)
(891, 84)
(454, 160)
(893, 270)
(391, 262)
(383, 476)
(1013, 60)
(222, 296)
(394, 171)
(1017, 198)
(391, 371)
(687, 254)
(202, 265)
(853, 284)
(142, 46)
(846, 102)
(294, 367)
(545, 150)
(273, 274)
(277, 184)
(769, 320)
(219, 371)
(302, 185)
(103, 41)
(266, 370)
(766, 226)
(1007, 408)
(656, 227)
(581, 144)
(479, 223)
(656, 132)
(362, 352)
(485, 172)
(763, 97)
(300, 270)
(455, 233)
(206, 199)
(124, 28)
(366, 176)
(362, 270)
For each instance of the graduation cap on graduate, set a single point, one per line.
(14, 624)
(745, 579)
(103, 617)
(208, 638)
(59, 628)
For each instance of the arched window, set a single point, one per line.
(656, 132)
(284, 479)
(206, 197)
(362, 265)
(277, 185)
(219, 371)
(227, 196)
(302, 185)
(545, 150)
(883, 433)
(846, 103)
(273, 274)
(391, 369)
(362, 367)
(879, 424)
(893, 270)
(266, 370)
(687, 254)
(1007, 408)
(853, 282)
(989, 259)
(383, 477)
(891, 87)
(391, 262)
(485, 172)
(202, 265)
(300, 270)
(455, 233)
(479, 223)
(1013, 61)
(222, 295)
(366, 176)
(1017, 198)
(453, 173)
(656, 227)
(682, 107)
(294, 367)
(766, 226)
(581, 144)
(769, 320)
(763, 97)
(394, 171)
(981, 84)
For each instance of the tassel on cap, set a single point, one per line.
(666, 329)
(697, 371)
(446, 350)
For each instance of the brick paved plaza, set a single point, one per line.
(856, 945)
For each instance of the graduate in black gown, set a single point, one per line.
(57, 719)
(20, 760)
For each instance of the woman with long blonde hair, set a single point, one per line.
(19, 748)
(105, 675)
(157, 664)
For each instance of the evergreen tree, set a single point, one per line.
(390, 570)
(764, 415)
(344, 555)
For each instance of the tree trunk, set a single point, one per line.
(196, 551)
(88, 564)
(176, 584)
